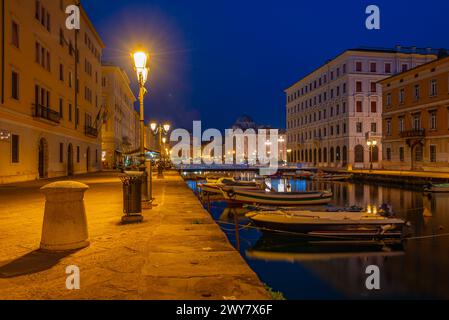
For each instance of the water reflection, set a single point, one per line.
(305, 270)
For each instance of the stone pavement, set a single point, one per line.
(178, 252)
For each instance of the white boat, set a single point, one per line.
(261, 197)
(329, 224)
(438, 188)
(230, 182)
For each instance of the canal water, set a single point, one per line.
(417, 269)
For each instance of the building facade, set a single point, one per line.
(416, 118)
(119, 131)
(334, 112)
(50, 92)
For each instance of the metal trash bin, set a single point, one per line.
(132, 197)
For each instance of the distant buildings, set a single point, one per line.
(334, 111)
(50, 88)
(416, 118)
(120, 131)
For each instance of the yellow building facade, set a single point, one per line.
(416, 118)
(120, 135)
(50, 92)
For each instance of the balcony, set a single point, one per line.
(45, 113)
(415, 133)
(90, 131)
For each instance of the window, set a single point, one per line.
(61, 72)
(70, 112)
(433, 88)
(359, 127)
(15, 34)
(358, 86)
(77, 116)
(41, 97)
(388, 126)
(373, 106)
(417, 92)
(359, 106)
(389, 100)
(61, 108)
(61, 37)
(374, 127)
(14, 148)
(401, 124)
(388, 152)
(387, 67)
(401, 96)
(418, 152)
(416, 122)
(433, 153)
(15, 85)
(42, 56)
(433, 120)
(78, 154)
(358, 66)
(404, 67)
(373, 67)
(401, 154)
(61, 152)
(373, 87)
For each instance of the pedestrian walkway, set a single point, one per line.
(178, 252)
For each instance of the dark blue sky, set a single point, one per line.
(213, 60)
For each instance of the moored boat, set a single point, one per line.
(340, 225)
(438, 188)
(230, 182)
(331, 177)
(262, 197)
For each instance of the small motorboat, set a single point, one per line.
(340, 225)
(230, 182)
(274, 198)
(438, 188)
(331, 177)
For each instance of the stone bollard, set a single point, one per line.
(65, 223)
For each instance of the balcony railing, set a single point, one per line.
(415, 133)
(90, 131)
(43, 112)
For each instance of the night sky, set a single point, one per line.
(214, 60)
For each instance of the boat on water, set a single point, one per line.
(331, 177)
(339, 225)
(438, 188)
(215, 187)
(262, 197)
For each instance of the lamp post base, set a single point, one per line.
(132, 218)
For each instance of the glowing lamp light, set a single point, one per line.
(153, 126)
(141, 64)
(166, 127)
(164, 139)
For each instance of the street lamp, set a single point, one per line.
(141, 65)
(160, 130)
(371, 144)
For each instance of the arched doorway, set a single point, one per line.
(359, 154)
(70, 160)
(345, 155)
(43, 158)
(87, 159)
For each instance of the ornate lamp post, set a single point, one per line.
(371, 144)
(141, 64)
(160, 130)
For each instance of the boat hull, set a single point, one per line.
(341, 227)
(268, 198)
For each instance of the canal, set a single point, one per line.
(417, 269)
